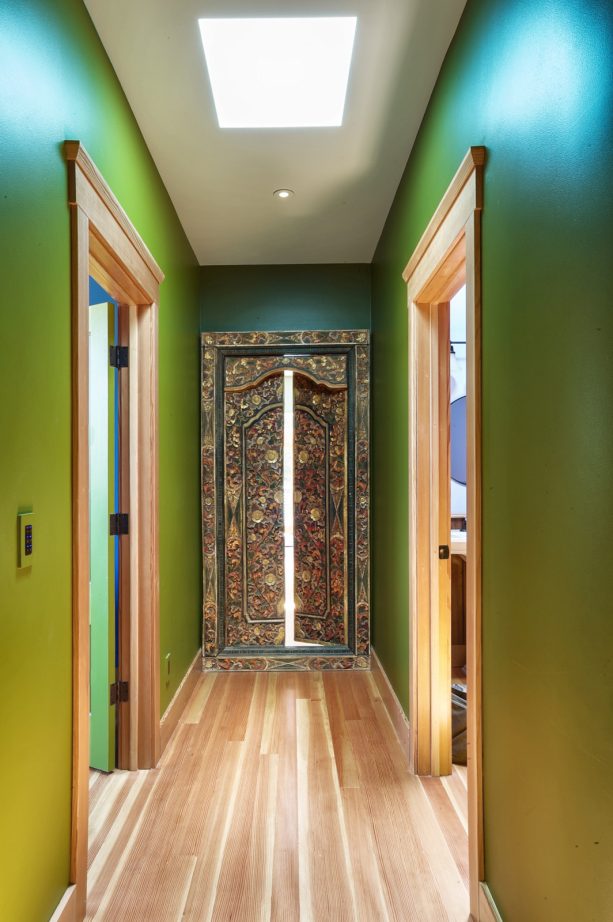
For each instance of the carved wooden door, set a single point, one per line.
(285, 501)
(253, 485)
(320, 480)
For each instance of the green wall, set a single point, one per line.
(532, 82)
(56, 83)
(322, 297)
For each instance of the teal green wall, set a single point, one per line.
(532, 82)
(56, 83)
(322, 297)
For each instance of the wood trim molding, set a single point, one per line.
(107, 246)
(177, 705)
(447, 256)
(488, 911)
(67, 907)
(391, 702)
(75, 152)
(474, 159)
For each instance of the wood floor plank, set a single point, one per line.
(242, 886)
(281, 797)
(370, 897)
(421, 878)
(343, 751)
(458, 797)
(197, 702)
(105, 810)
(462, 772)
(285, 902)
(449, 823)
(322, 849)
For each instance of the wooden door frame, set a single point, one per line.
(447, 256)
(106, 246)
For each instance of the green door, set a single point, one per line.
(102, 548)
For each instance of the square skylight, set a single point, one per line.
(279, 72)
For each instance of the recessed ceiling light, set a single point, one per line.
(279, 72)
(283, 193)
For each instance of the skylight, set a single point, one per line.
(279, 73)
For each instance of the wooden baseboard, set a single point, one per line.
(180, 698)
(67, 907)
(391, 702)
(488, 911)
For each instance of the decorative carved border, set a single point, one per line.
(284, 663)
(357, 655)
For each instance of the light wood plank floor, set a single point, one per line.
(285, 797)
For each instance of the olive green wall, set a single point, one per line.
(56, 83)
(532, 82)
(322, 297)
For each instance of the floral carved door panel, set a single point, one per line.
(320, 475)
(285, 500)
(253, 487)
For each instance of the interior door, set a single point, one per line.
(320, 487)
(285, 482)
(102, 545)
(253, 488)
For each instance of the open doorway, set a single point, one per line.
(445, 510)
(458, 537)
(107, 248)
(103, 540)
(109, 661)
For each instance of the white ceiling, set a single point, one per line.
(221, 181)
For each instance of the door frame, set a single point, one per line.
(447, 256)
(105, 245)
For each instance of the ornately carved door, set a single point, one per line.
(285, 500)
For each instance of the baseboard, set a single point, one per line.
(391, 702)
(171, 715)
(67, 907)
(488, 911)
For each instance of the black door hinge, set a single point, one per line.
(118, 356)
(443, 552)
(119, 692)
(118, 523)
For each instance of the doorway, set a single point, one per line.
(447, 261)
(106, 247)
(285, 500)
(104, 545)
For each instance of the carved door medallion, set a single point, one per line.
(285, 500)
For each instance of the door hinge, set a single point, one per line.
(443, 552)
(118, 523)
(119, 692)
(118, 356)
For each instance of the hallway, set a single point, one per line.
(280, 796)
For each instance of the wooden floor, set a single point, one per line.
(285, 797)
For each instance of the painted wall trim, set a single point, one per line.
(488, 911)
(67, 907)
(392, 704)
(475, 157)
(172, 714)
